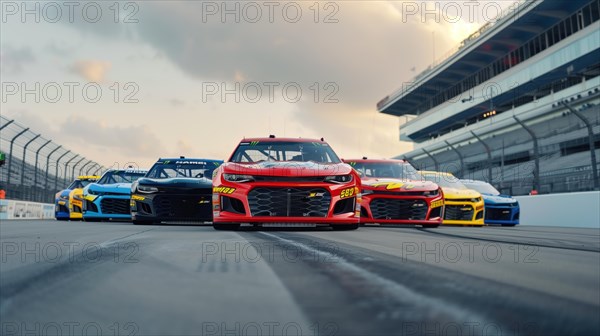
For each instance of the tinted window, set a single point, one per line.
(171, 169)
(284, 151)
(387, 170)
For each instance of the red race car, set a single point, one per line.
(285, 182)
(394, 193)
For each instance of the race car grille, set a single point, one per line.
(90, 206)
(76, 209)
(115, 206)
(289, 202)
(183, 207)
(260, 178)
(62, 208)
(458, 212)
(498, 214)
(389, 208)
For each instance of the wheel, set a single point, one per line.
(431, 226)
(92, 219)
(228, 226)
(344, 227)
(509, 225)
(62, 219)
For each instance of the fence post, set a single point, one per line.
(23, 165)
(35, 175)
(10, 155)
(75, 166)
(56, 170)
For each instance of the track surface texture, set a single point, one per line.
(115, 278)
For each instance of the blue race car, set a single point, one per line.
(109, 198)
(499, 209)
(63, 199)
(174, 190)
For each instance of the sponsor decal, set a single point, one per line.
(437, 203)
(223, 190)
(315, 194)
(137, 198)
(348, 192)
(394, 185)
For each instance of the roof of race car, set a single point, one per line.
(430, 172)
(88, 177)
(473, 181)
(268, 139)
(188, 159)
(375, 160)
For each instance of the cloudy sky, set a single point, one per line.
(140, 80)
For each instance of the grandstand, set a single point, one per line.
(518, 103)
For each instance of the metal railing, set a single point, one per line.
(36, 168)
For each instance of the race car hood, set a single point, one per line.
(287, 168)
(498, 199)
(451, 193)
(393, 185)
(115, 188)
(177, 182)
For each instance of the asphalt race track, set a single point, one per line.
(78, 278)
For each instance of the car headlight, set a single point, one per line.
(476, 200)
(92, 192)
(366, 192)
(146, 189)
(238, 178)
(78, 197)
(431, 193)
(338, 178)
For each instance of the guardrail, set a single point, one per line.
(13, 209)
(567, 210)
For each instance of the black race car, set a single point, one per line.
(174, 190)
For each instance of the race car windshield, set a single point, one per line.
(484, 188)
(162, 170)
(79, 184)
(402, 171)
(248, 152)
(120, 177)
(444, 180)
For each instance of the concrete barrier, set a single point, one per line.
(11, 209)
(581, 209)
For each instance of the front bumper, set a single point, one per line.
(76, 208)
(61, 209)
(106, 207)
(463, 213)
(502, 214)
(171, 207)
(401, 210)
(306, 203)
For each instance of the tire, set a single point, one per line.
(344, 227)
(92, 219)
(509, 225)
(431, 226)
(226, 227)
(142, 222)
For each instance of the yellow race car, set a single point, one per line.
(76, 195)
(463, 206)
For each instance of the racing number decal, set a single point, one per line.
(348, 192)
(223, 190)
